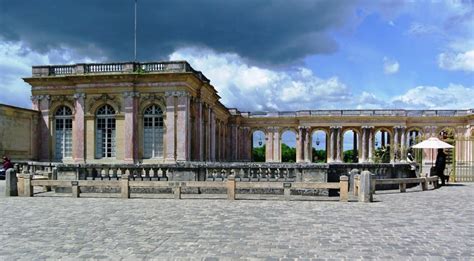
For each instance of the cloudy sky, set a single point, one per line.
(261, 55)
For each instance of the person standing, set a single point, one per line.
(7, 164)
(440, 165)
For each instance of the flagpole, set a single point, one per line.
(135, 33)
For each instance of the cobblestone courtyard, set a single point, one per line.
(434, 225)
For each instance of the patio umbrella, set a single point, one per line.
(433, 143)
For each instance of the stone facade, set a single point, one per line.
(18, 132)
(196, 126)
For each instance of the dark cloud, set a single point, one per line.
(268, 31)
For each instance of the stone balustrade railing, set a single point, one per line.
(401, 113)
(110, 68)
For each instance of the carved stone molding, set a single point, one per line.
(104, 98)
(40, 97)
(131, 94)
(62, 98)
(79, 95)
(177, 93)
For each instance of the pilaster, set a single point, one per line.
(130, 105)
(78, 143)
(183, 139)
(170, 124)
(44, 143)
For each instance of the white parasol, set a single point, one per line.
(433, 143)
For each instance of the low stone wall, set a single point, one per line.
(243, 171)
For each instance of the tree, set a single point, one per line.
(258, 154)
(288, 154)
(319, 156)
(350, 156)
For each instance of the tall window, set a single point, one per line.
(105, 132)
(153, 132)
(63, 133)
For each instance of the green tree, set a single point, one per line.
(319, 156)
(288, 154)
(258, 154)
(350, 156)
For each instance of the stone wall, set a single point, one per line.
(18, 132)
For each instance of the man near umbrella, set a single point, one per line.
(440, 165)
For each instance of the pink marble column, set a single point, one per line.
(371, 144)
(299, 145)
(363, 145)
(200, 135)
(213, 135)
(44, 128)
(170, 122)
(276, 145)
(269, 145)
(339, 144)
(78, 142)
(308, 150)
(182, 127)
(331, 145)
(130, 106)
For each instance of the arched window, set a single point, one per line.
(153, 132)
(63, 133)
(105, 132)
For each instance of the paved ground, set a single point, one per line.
(434, 225)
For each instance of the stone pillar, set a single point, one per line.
(365, 187)
(331, 145)
(130, 105)
(44, 143)
(11, 189)
(170, 124)
(276, 145)
(308, 150)
(213, 136)
(371, 144)
(200, 136)
(394, 156)
(269, 145)
(78, 142)
(363, 146)
(338, 144)
(403, 143)
(182, 127)
(300, 140)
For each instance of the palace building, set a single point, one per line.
(167, 112)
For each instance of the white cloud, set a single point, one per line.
(433, 97)
(463, 61)
(390, 66)
(253, 88)
(417, 28)
(16, 61)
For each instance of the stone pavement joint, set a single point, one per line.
(435, 225)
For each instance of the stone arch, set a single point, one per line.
(412, 137)
(258, 139)
(383, 144)
(57, 104)
(150, 100)
(351, 153)
(319, 144)
(446, 132)
(96, 102)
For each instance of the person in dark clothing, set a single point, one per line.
(6, 164)
(440, 165)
